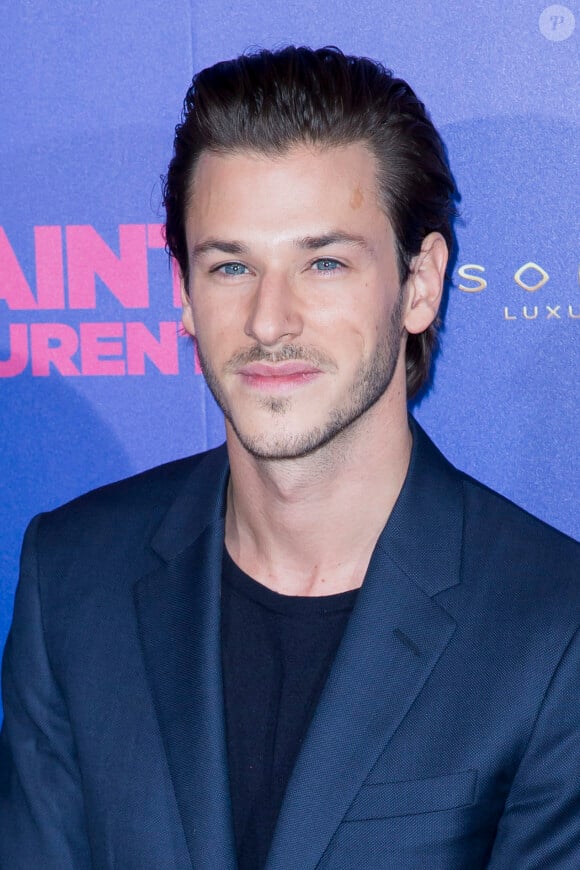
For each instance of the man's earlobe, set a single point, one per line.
(425, 283)
(186, 310)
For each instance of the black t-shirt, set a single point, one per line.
(277, 651)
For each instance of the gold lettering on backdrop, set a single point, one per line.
(530, 316)
(529, 277)
(480, 283)
(531, 288)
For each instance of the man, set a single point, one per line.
(322, 646)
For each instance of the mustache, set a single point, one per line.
(258, 353)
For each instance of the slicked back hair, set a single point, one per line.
(267, 102)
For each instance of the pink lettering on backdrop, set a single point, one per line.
(18, 359)
(156, 239)
(53, 344)
(115, 348)
(97, 347)
(163, 352)
(14, 287)
(155, 236)
(103, 348)
(49, 267)
(125, 275)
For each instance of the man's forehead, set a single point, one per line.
(308, 196)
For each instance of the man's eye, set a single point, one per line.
(231, 269)
(326, 264)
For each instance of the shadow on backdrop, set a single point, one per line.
(54, 447)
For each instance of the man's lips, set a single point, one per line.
(278, 375)
(278, 370)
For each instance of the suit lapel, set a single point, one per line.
(178, 610)
(393, 641)
(394, 638)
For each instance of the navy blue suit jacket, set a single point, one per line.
(447, 735)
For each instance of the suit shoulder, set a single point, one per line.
(148, 492)
(488, 515)
(104, 538)
(513, 547)
(499, 510)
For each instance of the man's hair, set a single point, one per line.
(268, 102)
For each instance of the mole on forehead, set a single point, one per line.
(357, 198)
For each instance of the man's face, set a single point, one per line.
(294, 294)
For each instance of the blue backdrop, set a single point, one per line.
(95, 381)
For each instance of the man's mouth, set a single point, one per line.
(278, 376)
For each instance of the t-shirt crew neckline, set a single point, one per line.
(299, 605)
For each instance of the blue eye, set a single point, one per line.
(232, 269)
(326, 264)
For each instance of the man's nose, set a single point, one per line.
(274, 314)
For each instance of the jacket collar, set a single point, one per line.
(423, 540)
(200, 503)
(423, 535)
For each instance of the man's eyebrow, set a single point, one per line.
(313, 243)
(309, 243)
(221, 245)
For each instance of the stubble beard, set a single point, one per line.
(370, 383)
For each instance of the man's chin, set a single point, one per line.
(276, 447)
(285, 445)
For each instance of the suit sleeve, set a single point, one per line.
(540, 827)
(42, 818)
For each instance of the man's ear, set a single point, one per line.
(186, 309)
(425, 283)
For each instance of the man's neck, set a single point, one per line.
(308, 526)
